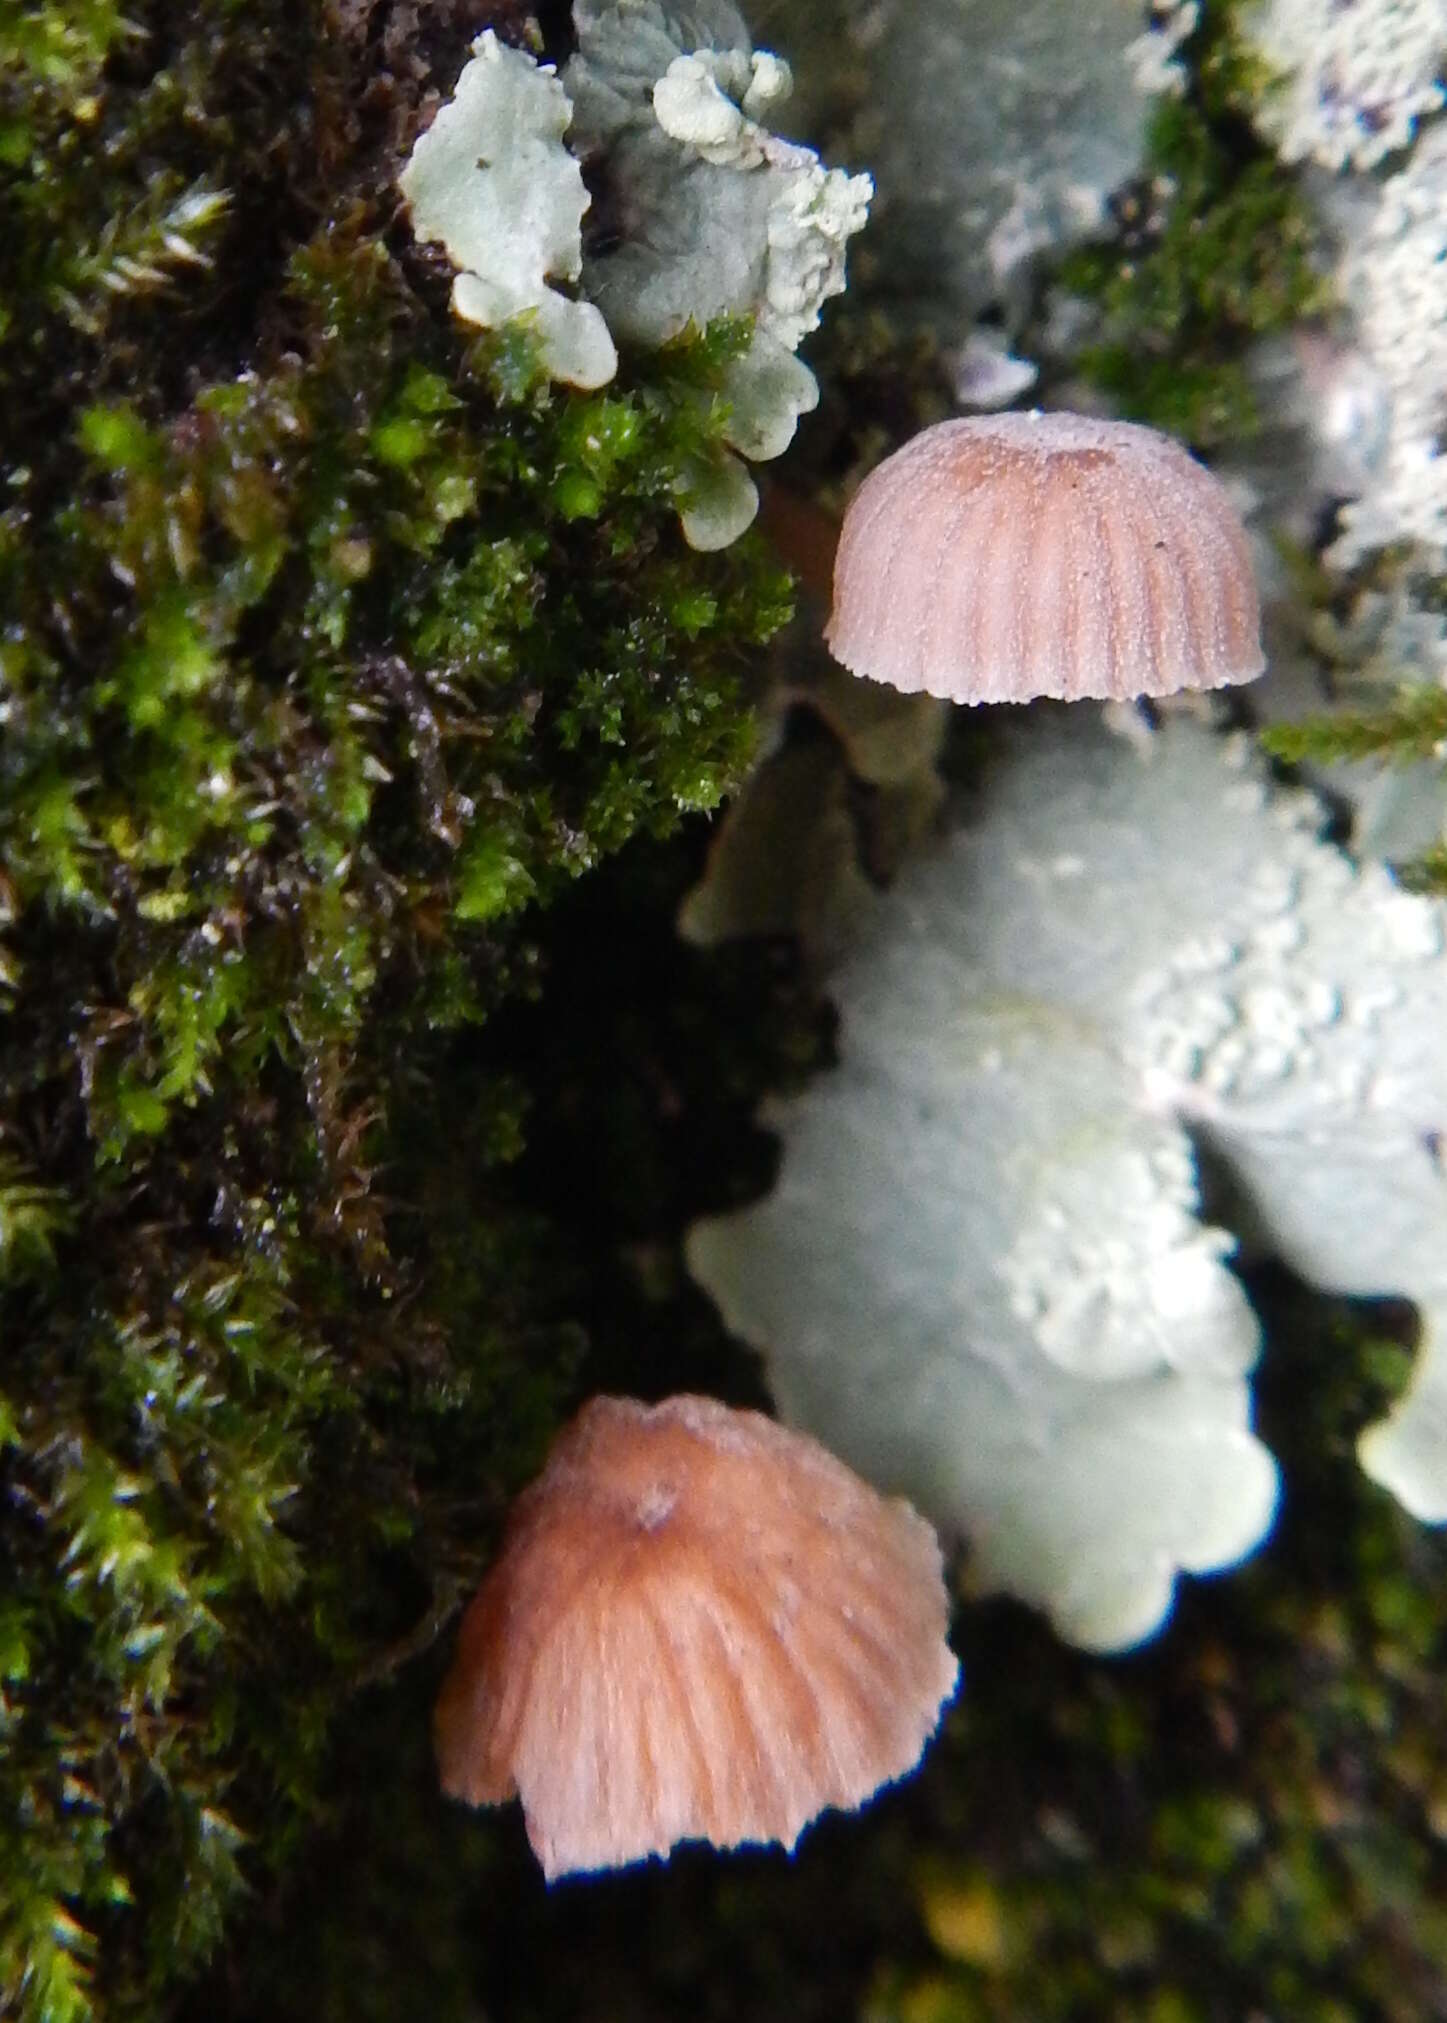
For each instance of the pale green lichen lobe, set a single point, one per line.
(492, 180)
(724, 219)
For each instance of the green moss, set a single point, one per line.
(1216, 247)
(335, 646)
(61, 48)
(1409, 728)
(1429, 872)
(1403, 731)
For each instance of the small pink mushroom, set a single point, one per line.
(701, 1626)
(1007, 556)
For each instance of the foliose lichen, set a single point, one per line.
(492, 180)
(981, 1276)
(1350, 78)
(996, 133)
(1394, 279)
(715, 219)
(712, 216)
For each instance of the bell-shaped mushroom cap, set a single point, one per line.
(1007, 556)
(701, 1626)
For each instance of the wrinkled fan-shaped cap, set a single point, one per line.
(1007, 556)
(701, 1626)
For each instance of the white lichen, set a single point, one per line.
(493, 182)
(987, 376)
(981, 1275)
(1352, 77)
(717, 216)
(712, 216)
(786, 859)
(1395, 281)
(1325, 425)
(1155, 56)
(997, 131)
(717, 501)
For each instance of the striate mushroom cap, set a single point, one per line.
(1007, 556)
(701, 1626)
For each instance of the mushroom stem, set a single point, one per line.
(803, 535)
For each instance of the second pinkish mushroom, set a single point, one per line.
(1003, 557)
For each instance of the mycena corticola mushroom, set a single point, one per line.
(1002, 557)
(701, 1626)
